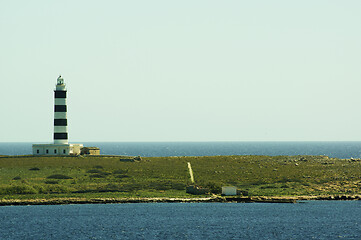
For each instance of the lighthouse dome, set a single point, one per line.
(60, 80)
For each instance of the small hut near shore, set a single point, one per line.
(229, 191)
(90, 151)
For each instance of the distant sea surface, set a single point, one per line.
(308, 220)
(158, 149)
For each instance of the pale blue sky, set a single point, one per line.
(182, 70)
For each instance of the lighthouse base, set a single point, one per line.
(57, 149)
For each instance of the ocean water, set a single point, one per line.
(153, 149)
(308, 220)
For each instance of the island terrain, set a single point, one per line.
(116, 179)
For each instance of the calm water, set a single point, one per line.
(151, 149)
(309, 220)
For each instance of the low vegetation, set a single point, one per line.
(104, 176)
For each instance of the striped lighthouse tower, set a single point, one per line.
(60, 116)
(61, 145)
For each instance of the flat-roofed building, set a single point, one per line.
(57, 149)
(90, 151)
(229, 191)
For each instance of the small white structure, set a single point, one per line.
(229, 191)
(57, 149)
(61, 145)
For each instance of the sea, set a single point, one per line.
(302, 220)
(165, 149)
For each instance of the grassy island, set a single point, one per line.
(115, 177)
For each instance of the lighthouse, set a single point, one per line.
(61, 144)
(60, 113)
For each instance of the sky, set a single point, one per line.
(200, 70)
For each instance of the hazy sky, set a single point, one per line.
(182, 70)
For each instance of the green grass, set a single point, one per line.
(90, 177)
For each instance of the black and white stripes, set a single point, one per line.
(60, 116)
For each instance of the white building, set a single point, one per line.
(61, 145)
(57, 149)
(229, 191)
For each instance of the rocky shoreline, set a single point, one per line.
(220, 199)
